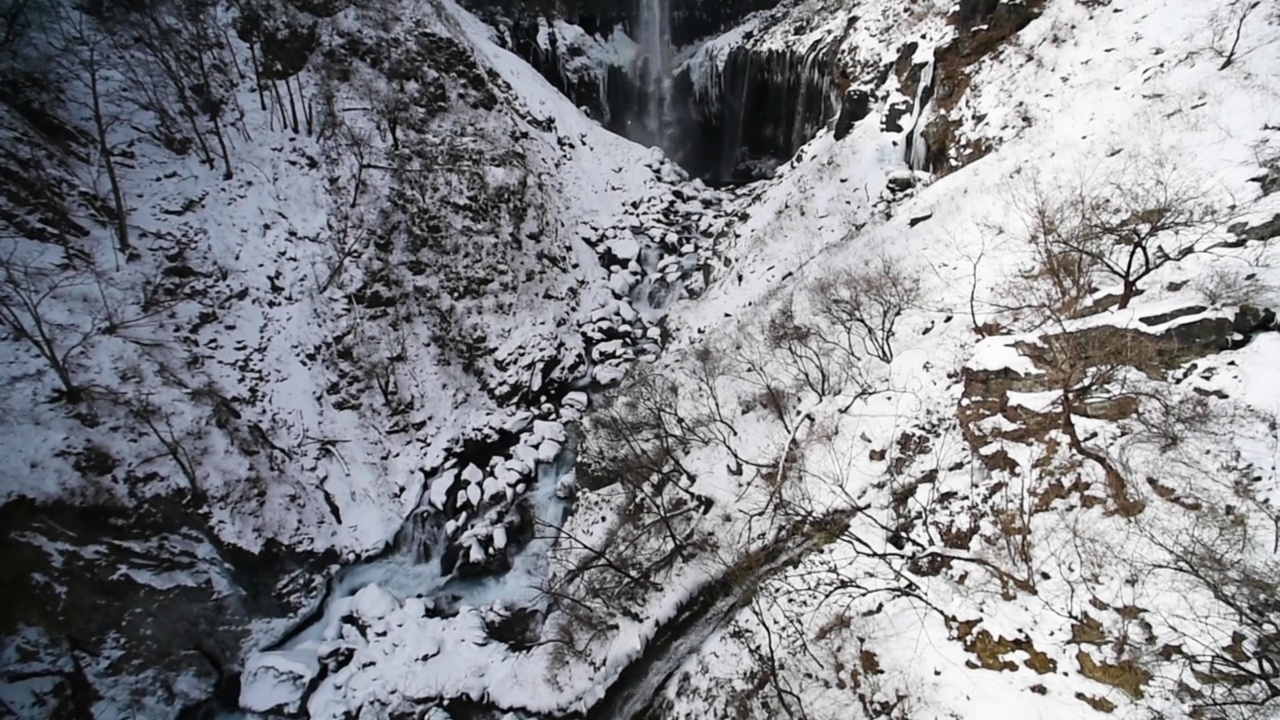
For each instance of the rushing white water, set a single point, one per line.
(413, 569)
(654, 70)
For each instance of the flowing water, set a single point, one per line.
(413, 568)
(655, 71)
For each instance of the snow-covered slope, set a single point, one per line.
(995, 568)
(370, 318)
(888, 445)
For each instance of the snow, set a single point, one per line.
(276, 681)
(1075, 89)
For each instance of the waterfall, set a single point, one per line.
(655, 70)
(917, 148)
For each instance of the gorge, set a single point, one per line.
(638, 359)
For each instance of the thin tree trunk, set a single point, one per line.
(355, 190)
(293, 109)
(235, 62)
(222, 145)
(195, 129)
(100, 126)
(215, 109)
(284, 117)
(257, 74)
(1117, 486)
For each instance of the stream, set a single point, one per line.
(429, 565)
(634, 693)
(422, 568)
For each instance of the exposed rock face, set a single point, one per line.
(987, 391)
(732, 121)
(140, 606)
(755, 111)
(691, 20)
(982, 26)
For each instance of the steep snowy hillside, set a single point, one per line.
(357, 322)
(363, 361)
(1016, 320)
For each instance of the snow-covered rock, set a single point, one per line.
(275, 682)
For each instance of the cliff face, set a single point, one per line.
(751, 110)
(731, 119)
(753, 81)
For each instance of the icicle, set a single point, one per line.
(916, 149)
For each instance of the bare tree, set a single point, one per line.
(358, 143)
(863, 306)
(59, 309)
(1061, 279)
(82, 53)
(1085, 370)
(1238, 679)
(1228, 28)
(1125, 228)
(16, 19)
(29, 292)
(800, 347)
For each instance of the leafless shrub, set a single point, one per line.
(1238, 677)
(803, 353)
(1167, 421)
(633, 455)
(1060, 279)
(1231, 287)
(29, 294)
(176, 446)
(344, 242)
(1087, 369)
(863, 306)
(755, 365)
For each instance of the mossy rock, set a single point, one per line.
(1127, 674)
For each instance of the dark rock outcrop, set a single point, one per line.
(691, 20)
(141, 603)
(756, 111)
(986, 392)
(982, 26)
(749, 115)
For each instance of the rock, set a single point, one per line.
(373, 604)
(621, 284)
(472, 475)
(625, 248)
(855, 105)
(438, 494)
(608, 375)
(147, 596)
(548, 451)
(901, 180)
(894, 112)
(549, 430)
(1163, 318)
(1257, 233)
(275, 682)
